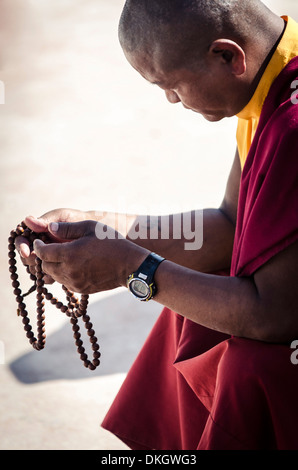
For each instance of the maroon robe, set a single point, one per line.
(194, 388)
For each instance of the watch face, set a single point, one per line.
(139, 288)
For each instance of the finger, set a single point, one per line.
(30, 262)
(37, 225)
(52, 272)
(72, 231)
(52, 253)
(22, 246)
(48, 279)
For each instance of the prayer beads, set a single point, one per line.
(74, 309)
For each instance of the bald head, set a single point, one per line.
(207, 54)
(177, 32)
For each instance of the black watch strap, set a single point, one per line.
(147, 269)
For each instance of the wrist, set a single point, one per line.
(133, 257)
(141, 280)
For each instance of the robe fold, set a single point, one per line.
(194, 388)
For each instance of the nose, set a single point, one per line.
(172, 97)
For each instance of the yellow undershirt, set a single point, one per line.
(248, 118)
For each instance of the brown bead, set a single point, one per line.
(76, 308)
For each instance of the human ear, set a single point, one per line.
(229, 53)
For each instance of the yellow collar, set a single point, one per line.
(285, 52)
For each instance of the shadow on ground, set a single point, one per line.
(121, 324)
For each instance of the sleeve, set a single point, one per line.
(268, 201)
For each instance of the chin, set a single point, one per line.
(213, 118)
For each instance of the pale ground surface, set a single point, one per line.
(81, 129)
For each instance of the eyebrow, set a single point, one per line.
(160, 84)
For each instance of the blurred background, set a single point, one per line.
(81, 129)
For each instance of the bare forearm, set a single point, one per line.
(226, 304)
(205, 243)
(261, 307)
(200, 240)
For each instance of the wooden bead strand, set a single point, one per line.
(74, 309)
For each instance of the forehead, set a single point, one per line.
(146, 64)
(150, 68)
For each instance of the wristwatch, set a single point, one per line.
(141, 283)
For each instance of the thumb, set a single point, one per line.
(72, 231)
(35, 224)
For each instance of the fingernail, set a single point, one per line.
(54, 227)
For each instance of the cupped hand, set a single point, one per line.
(40, 225)
(93, 259)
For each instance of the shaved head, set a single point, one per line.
(179, 31)
(207, 54)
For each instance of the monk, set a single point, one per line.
(215, 372)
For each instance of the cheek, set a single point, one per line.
(205, 96)
(194, 98)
